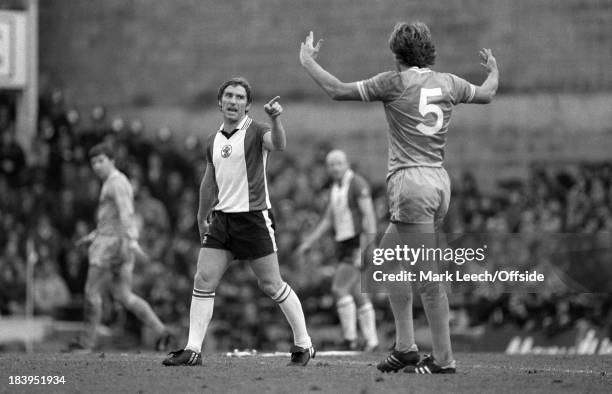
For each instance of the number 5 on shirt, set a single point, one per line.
(425, 108)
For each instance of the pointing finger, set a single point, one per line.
(274, 100)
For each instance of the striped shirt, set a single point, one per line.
(344, 199)
(240, 160)
(115, 214)
(418, 103)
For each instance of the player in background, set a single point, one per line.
(112, 251)
(234, 195)
(350, 213)
(418, 103)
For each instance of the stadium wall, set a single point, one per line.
(149, 52)
(163, 61)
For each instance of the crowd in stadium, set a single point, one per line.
(49, 200)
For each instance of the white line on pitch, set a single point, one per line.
(574, 371)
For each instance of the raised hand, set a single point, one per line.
(488, 60)
(308, 50)
(273, 108)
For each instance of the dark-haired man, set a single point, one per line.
(114, 245)
(418, 103)
(234, 195)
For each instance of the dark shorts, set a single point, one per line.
(348, 251)
(248, 235)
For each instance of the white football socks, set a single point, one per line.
(367, 323)
(347, 313)
(290, 304)
(201, 311)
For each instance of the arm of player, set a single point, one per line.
(125, 207)
(484, 93)
(331, 85)
(208, 193)
(366, 206)
(324, 225)
(276, 139)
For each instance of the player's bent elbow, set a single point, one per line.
(334, 94)
(339, 92)
(341, 95)
(490, 97)
(486, 99)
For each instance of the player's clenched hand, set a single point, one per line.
(308, 50)
(273, 108)
(488, 60)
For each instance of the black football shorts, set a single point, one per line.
(248, 235)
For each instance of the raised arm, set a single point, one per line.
(276, 139)
(331, 85)
(484, 93)
(208, 196)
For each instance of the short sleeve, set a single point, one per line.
(263, 129)
(377, 88)
(360, 188)
(209, 147)
(461, 90)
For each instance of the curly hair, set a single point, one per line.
(411, 44)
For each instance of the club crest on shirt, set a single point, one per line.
(226, 151)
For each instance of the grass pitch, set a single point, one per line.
(143, 373)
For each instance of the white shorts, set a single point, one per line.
(108, 251)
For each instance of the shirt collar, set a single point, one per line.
(240, 125)
(420, 70)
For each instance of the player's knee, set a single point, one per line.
(93, 298)
(402, 297)
(361, 299)
(432, 291)
(126, 298)
(91, 292)
(203, 281)
(270, 287)
(339, 290)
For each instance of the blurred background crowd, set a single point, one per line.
(49, 200)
